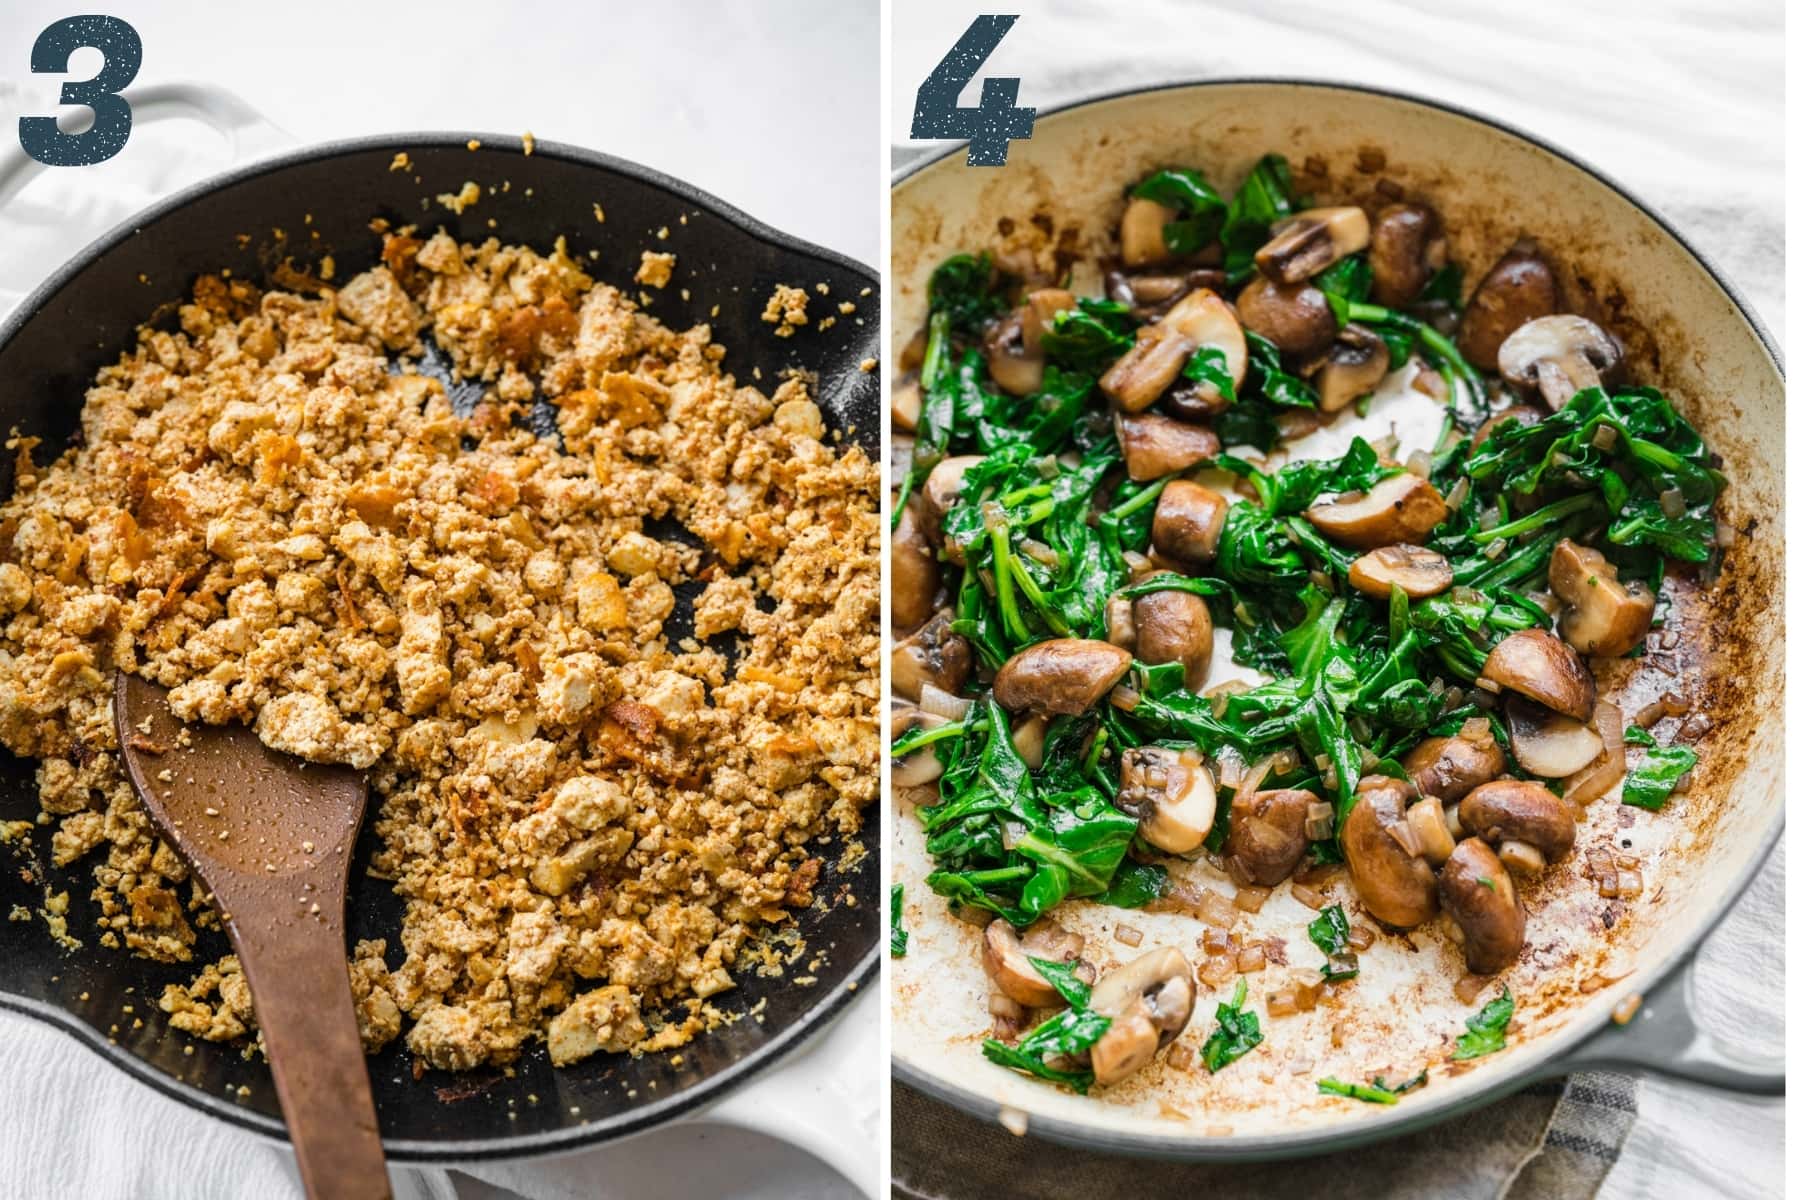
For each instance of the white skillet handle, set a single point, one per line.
(818, 1098)
(1664, 1038)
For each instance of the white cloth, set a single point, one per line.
(1681, 102)
(778, 117)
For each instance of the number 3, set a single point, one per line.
(996, 121)
(50, 55)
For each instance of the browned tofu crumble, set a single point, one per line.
(270, 513)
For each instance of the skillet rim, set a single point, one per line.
(826, 1005)
(1518, 1072)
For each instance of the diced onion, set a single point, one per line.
(939, 703)
(1283, 1003)
(1469, 987)
(1307, 896)
(1361, 937)
(1319, 822)
(1215, 909)
(1251, 958)
(1217, 969)
(1251, 898)
(1419, 463)
(1459, 494)
(1125, 699)
(1674, 504)
(1131, 935)
(1605, 435)
(1307, 994)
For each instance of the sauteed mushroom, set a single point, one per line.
(932, 654)
(1039, 313)
(1522, 413)
(1007, 959)
(1296, 317)
(1401, 508)
(1394, 884)
(1016, 368)
(913, 570)
(1479, 896)
(1406, 248)
(1515, 813)
(1307, 242)
(921, 767)
(1597, 778)
(1450, 767)
(943, 486)
(1547, 743)
(1601, 616)
(1413, 569)
(1063, 676)
(1174, 626)
(1198, 319)
(1356, 362)
(1151, 295)
(1141, 232)
(1558, 355)
(1188, 519)
(1150, 1000)
(1267, 834)
(1536, 664)
(907, 403)
(1156, 445)
(1170, 793)
(1520, 287)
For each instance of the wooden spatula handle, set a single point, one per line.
(298, 979)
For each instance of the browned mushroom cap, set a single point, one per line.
(922, 766)
(1479, 895)
(1413, 569)
(1174, 626)
(1156, 445)
(1151, 295)
(931, 655)
(1406, 248)
(1353, 366)
(1205, 319)
(1547, 743)
(1267, 834)
(942, 488)
(1394, 885)
(1171, 794)
(1188, 519)
(1039, 313)
(1141, 232)
(1401, 508)
(1016, 369)
(1558, 355)
(1519, 810)
(1520, 287)
(913, 570)
(1007, 964)
(1150, 1000)
(1451, 767)
(905, 405)
(1600, 614)
(1522, 413)
(1296, 317)
(1063, 676)
(1307, 242)
(1535, 663)
(1141, 374)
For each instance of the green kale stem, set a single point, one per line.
(1122, 511)
(1442, 348)
(1536, 520)
(916, 738)
(1035, 594)
(1000, 537)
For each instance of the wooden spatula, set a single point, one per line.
(270, 836)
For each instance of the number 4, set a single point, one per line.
(998, 119)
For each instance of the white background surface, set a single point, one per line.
(1680, 102)
(774, 109)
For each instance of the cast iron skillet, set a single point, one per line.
(320, 201)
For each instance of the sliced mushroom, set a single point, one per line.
(1547, 743)
(1174, 626)
(1151, 295)
(1150, 1000)
(931, 655)
(1156, 445)
(1028, 739)
(1601, 615)
(1063, 676)
(1523, 414)
(1451, 767)
(921, 767)
(1307, 242)
(1394, 885)
(913, 571)
(1189, 516)
(1599, 776)
(1519, 810)
(1432, 830)
(1120, 630)
(1017, 369)
(1401, 508)
(1537, 664)
(1559, 356)
(1479, 896)
(1039, 314)
(1406, 248)
(1413, 569)
(1520, 287)
(1141, 232)
(1205, 319)
(1267, 834)
(1356, 362)
(1007, 964)
(1171, 794)
(1142, 373)
(1296, 317)
(907, 402)
(943, 487)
